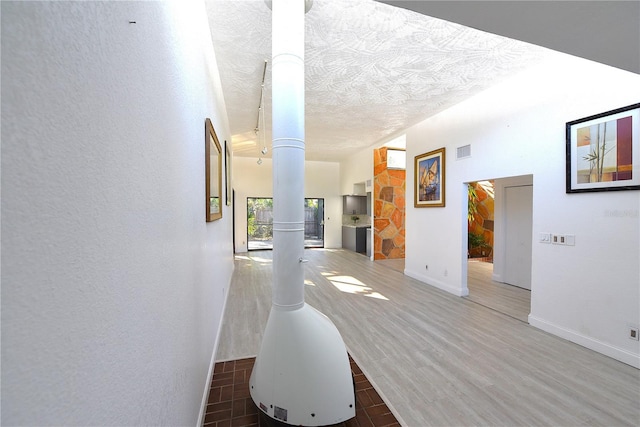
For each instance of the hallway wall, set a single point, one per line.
(113, 284)
(587, 293)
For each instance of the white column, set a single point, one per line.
(287, 69)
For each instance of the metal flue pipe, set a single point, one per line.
(301, 375)
(287, 77)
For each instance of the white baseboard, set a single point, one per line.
(460, 292)
(620, 354)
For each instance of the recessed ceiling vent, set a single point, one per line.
(463, 152)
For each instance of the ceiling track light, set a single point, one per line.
(260, 122)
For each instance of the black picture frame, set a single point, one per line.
(603, 151)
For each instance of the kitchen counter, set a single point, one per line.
(357, 225)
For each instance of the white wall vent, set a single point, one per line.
(463, 152)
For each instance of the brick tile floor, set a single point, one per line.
(230, 404)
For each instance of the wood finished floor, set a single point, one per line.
(437, 359)
(506, 299)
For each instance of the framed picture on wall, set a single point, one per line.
(213, 173)
(227, 172)
(603, 151)
(429, 182)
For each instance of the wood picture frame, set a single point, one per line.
(429, 179)
(603, 151)
(227, 173)
(213, 173)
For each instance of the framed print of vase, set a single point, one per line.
(603, 151)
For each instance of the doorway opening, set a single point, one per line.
(260, 223)
(499, 231)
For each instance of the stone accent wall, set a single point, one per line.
(388, 208)
(483, 221)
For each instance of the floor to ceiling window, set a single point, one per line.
(260, 223)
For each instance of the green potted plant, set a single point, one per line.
(477, 246)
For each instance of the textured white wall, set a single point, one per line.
(321, 180)
(356, 169)
(113, 285)
(587, 293)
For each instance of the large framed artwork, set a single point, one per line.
(213, 173)
(603, 151)
(429, 183)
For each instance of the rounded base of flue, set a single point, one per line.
(302, 374)
(267, 421)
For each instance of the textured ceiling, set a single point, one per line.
(372, 70)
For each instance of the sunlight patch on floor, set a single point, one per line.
(351, 285)
(328, 273)
(254, 258)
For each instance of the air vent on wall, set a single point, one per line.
(463, 152)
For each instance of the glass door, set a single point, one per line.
(260, 223)
(314, 223)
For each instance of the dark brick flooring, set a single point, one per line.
(230, 404)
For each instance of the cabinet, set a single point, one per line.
(355, 238)
(354, 205)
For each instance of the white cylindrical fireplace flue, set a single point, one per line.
(302, 374)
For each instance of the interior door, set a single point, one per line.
(519, 224)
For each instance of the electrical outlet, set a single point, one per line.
(559, 239)
(633, 334)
